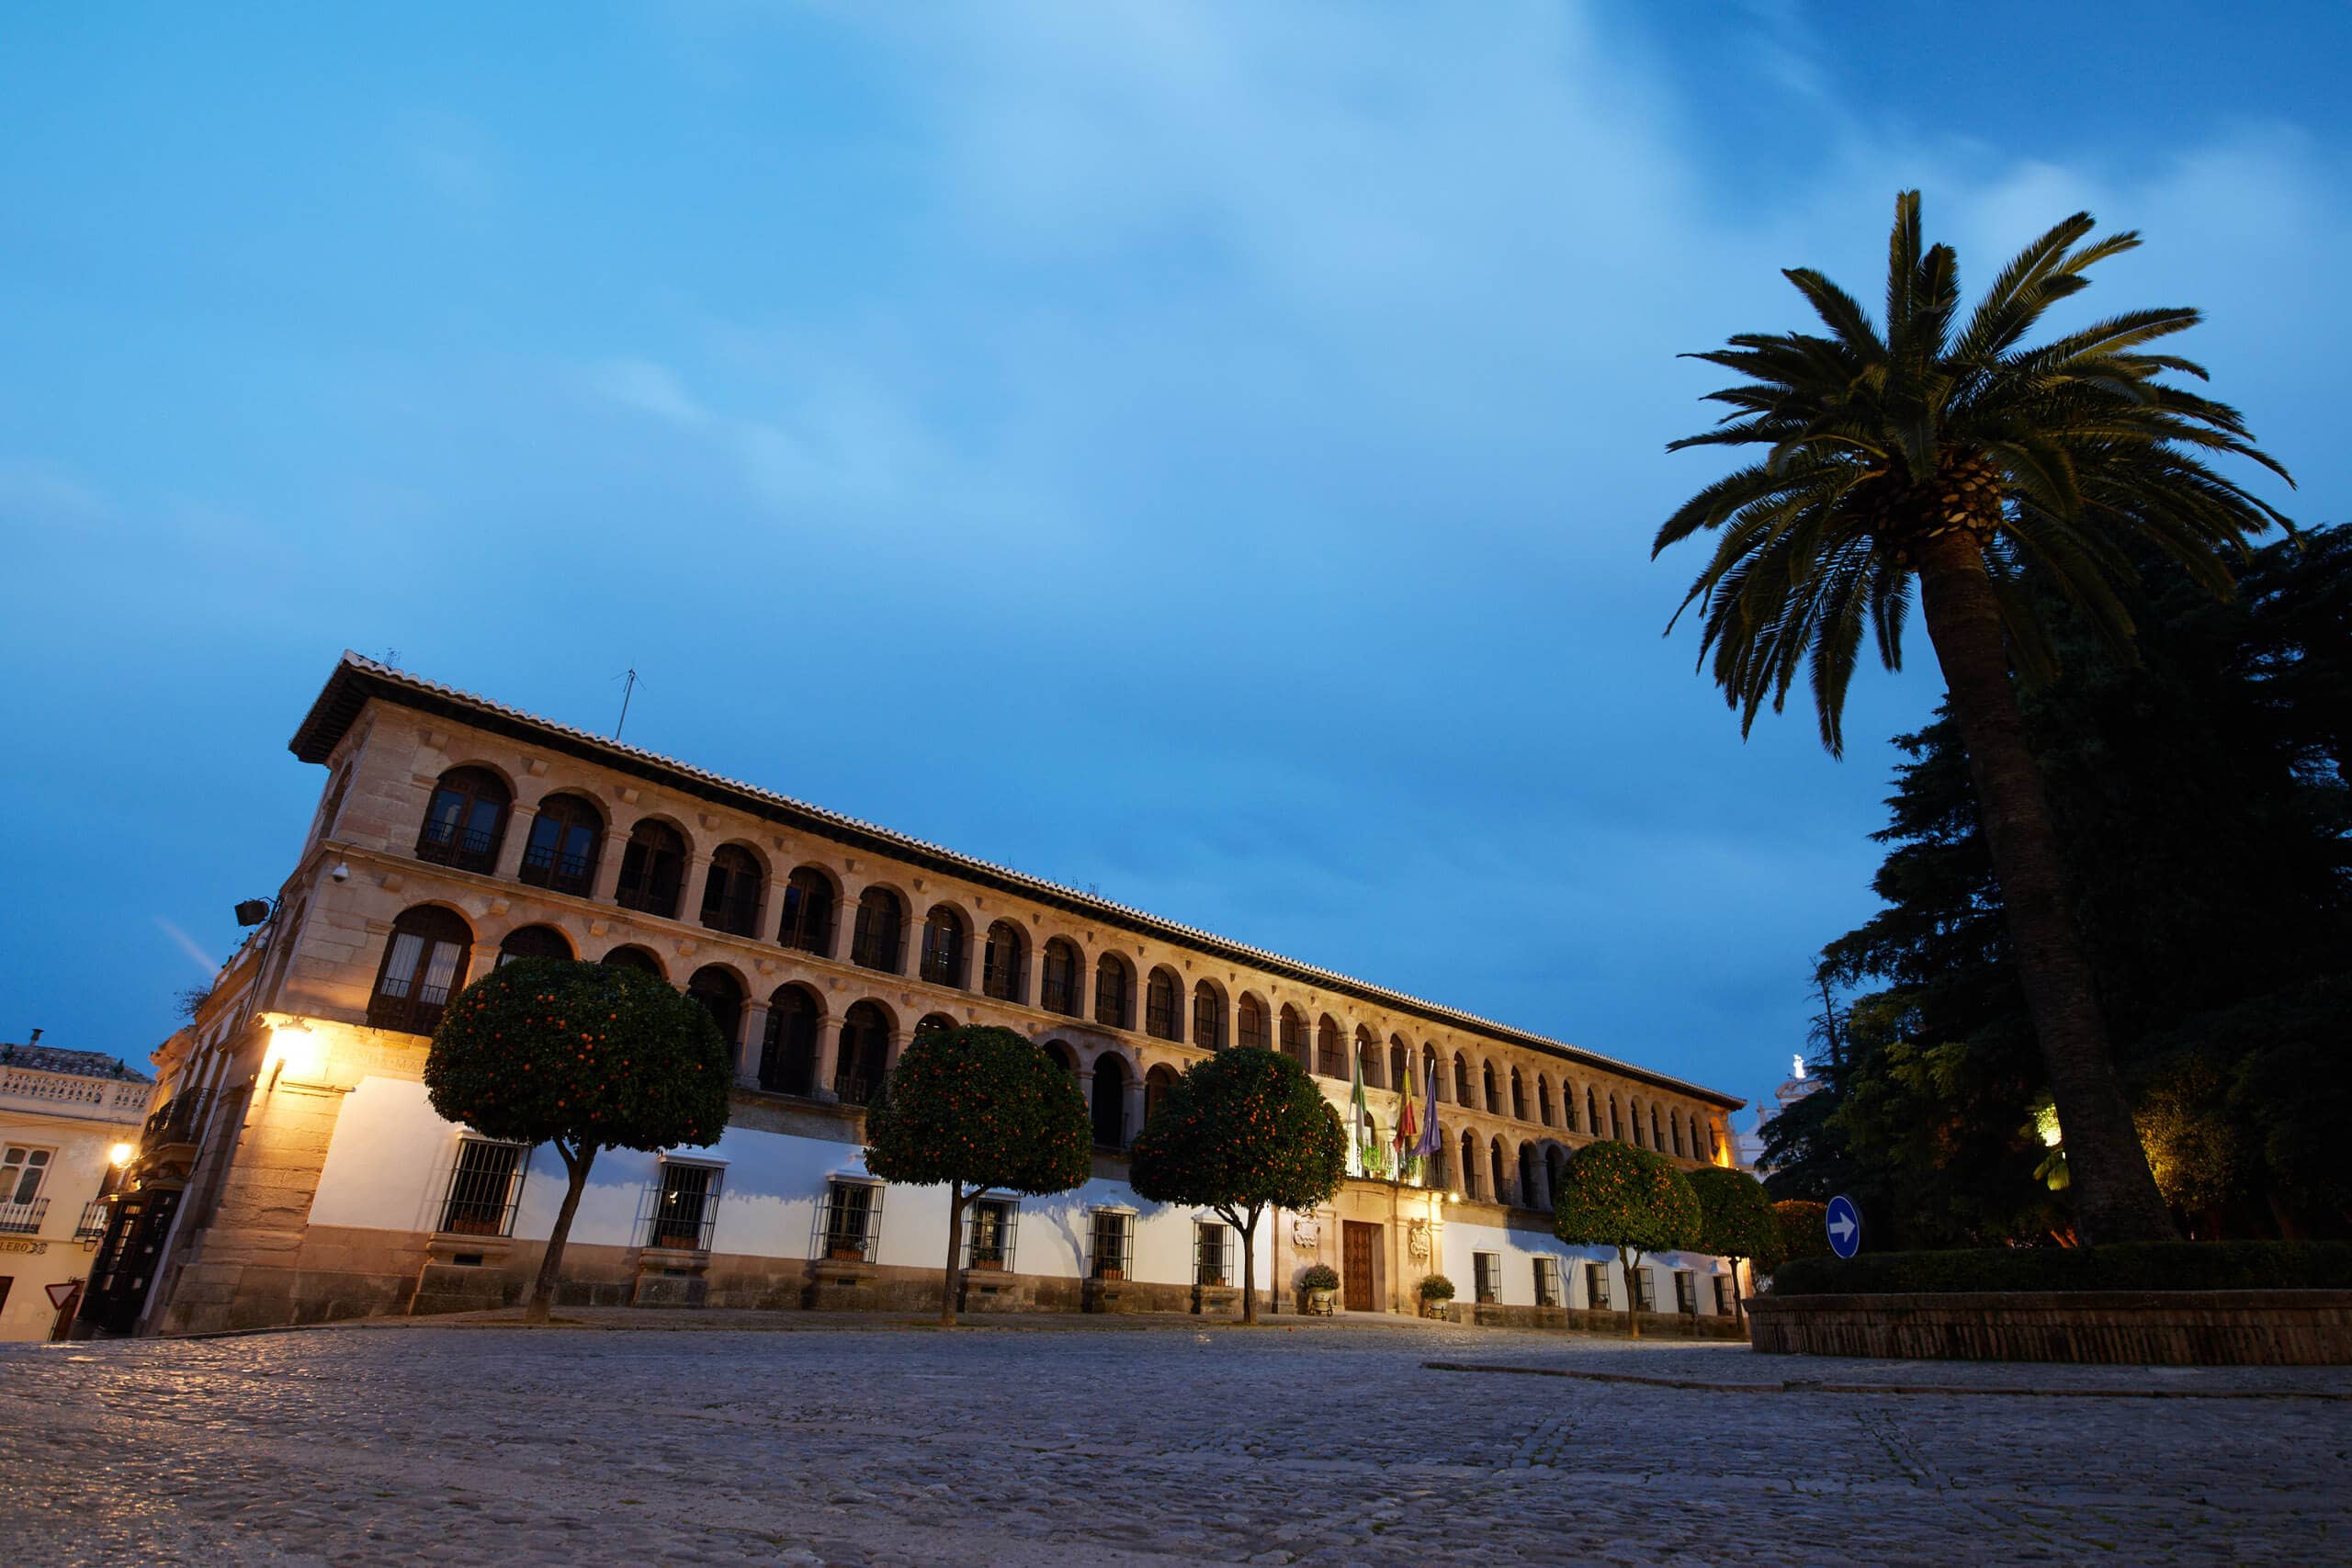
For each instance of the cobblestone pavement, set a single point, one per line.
(1321, 1444)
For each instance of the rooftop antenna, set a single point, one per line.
(628, 687)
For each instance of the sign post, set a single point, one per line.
(1845, 1226)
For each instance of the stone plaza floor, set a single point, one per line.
(1072, 1442)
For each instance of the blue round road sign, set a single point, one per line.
(1845, 1223)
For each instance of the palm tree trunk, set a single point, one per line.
(2115, 1196)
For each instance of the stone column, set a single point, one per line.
(771, 909)
(608, 864)
(899, 1039)
(691, 885)
(481, 959)
(1134, 1106)
(747, 1051)
(518, 835)
(1085, 1077)
(828, 1052)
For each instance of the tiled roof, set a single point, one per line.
(81, 1064)
(356, 678)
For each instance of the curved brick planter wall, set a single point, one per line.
(2167, 1328)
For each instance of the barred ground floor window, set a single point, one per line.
(1686, 1292)
(1488, 1267)
(1644, 1291)
(1110, 1240)
(1595, 1286)
(1212, 1253)
(988, 1235)
(683, 1205)
(849, 1225)
(1547, 1281)
(485, 1183)
(1723, 1293)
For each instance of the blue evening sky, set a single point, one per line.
(1205, 452)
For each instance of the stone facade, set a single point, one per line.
(313, 1182)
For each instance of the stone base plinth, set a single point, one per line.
(2163, 1328)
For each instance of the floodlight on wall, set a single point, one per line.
(252, 911)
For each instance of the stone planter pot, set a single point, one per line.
(1439, 1307)
(1318, 1303)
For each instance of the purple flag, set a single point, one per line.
(1428, 1145)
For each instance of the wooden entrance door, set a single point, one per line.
(1361, 1245)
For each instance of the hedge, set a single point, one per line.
(2135, 1265)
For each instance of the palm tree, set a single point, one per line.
(1955, 453)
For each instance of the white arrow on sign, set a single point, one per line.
(1841, 1227)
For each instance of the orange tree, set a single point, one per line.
(1613, 1194)
(1736, 1221)
(585, 1057)
(1239, 1133)
(983, 1110)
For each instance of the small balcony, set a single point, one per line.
(93, 1223)
(23, 1218)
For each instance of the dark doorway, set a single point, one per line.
(1360, 1248)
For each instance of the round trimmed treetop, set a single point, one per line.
(1239, 1129)
(1735, 1220)
(1613, 1194)
(983, 1106)
(591, 1056)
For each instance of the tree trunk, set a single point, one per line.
(955, 1246)
(1633, 1296)
(1739, 1308)
(1249, 1269)
(542, 1297)
(2115, 1196)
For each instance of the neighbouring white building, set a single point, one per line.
(69, 1126)
(291, 1169)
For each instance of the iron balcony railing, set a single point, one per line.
(543, 866)
(93, 1223)
(23, 1218)
(178, 1120)
(447, 844)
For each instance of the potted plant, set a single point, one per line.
(1435, 1290)
(1320, 1282)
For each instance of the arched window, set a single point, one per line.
(865, 1053)
(1156, 1083)
(1250, 1024)
(731, 892)
(331, 806)
(1110, 1105)
(1462, 1081)
(943, 946)
(652, 865)
(1529, 1197)
(788, 1054)
(1470, 1163)
(1159, 1005)
(1114, 992)
(1434, 1178)
(1554, 1162)
(722, 994)
(635, 958)
(1714, 1142)
(424, 965)
(1369, 1058)
(1494, 1099)
(1634, 1114)
(1063, 1057)
(1000, 964)
(1059, 969)
(933, 1024)
(465, 820)
(1294, 1044)
(1400, 1066)
(1329, 1061)
(1543, 1098)
(560, 853)
(1674, 1124)
(533, 941)
(1616, 1127)
(1656, 1142)
(878, 940)
(807, 921)
(1591, 1113)
(1495, 1165)
(1208, 1017)
(1518, 1097)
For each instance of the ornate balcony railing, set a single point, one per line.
(23, 1218)
(93, 1223)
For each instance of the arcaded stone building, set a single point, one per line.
(292, 1170)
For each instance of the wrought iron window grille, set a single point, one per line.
(849, 1222)
(679, 1206)
(990, 1228)
(485, 1188)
